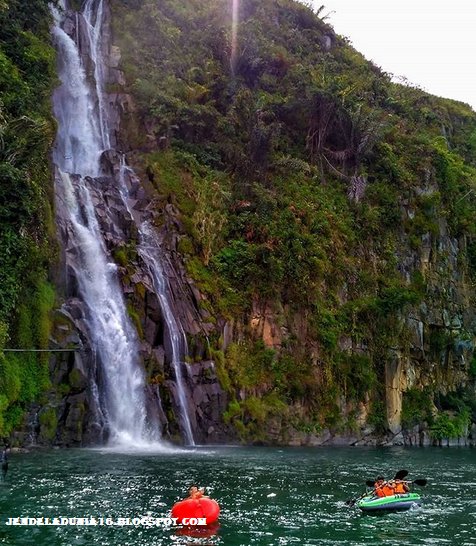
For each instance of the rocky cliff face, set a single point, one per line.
(69, 417)
(364, 362)
(433, 342)
(438, 335)
(377, 353)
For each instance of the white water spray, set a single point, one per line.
(83, 135)
(94, 27)
(80, 143)
(149, 250)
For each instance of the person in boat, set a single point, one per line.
(196, 493)
(4, 461)
(383, 488)
(394, 487)
(400, 487)
(379, 485)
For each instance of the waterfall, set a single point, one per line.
(78, 149)
(149, 250)
(94, 26)
(84, 134)
(78, 144)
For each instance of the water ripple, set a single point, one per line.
(268, 497)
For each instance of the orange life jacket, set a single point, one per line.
(387, 490)
(399, 488)
(378, 489)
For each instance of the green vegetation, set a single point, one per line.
(303, 179)
(27, 77)
(378, 417)
(472, 368)
(450, 418)
(417, 408)
(302, 175)
(134, 315)
(250, 416)
(448, 427)
(48, 421)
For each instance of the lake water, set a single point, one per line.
(268, 496)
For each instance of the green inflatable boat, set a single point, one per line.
(371, 503)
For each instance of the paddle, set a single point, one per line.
(398, 476)
(401, 474)
(351, 502)
(420, 482)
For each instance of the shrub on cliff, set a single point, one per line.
(27, 77)
(333, 176)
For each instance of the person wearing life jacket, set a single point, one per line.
(196, 493)
(400, 487)
(388, 490)
(383, 488)
(379, 485)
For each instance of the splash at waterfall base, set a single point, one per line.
(128, 382)
(76, 415)
(76, 411)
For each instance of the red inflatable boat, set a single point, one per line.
(193, 511)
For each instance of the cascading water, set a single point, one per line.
(94, 21)
(78, 144)
(83, 137)
(78, 150)
(149, 250)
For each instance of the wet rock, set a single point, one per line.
(155, 411)
(77, 379)
(398, 439)
(343, 440)
(323, 438)
(114, 56)
(75, 26)
(150, 330)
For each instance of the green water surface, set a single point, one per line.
(268, 496)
